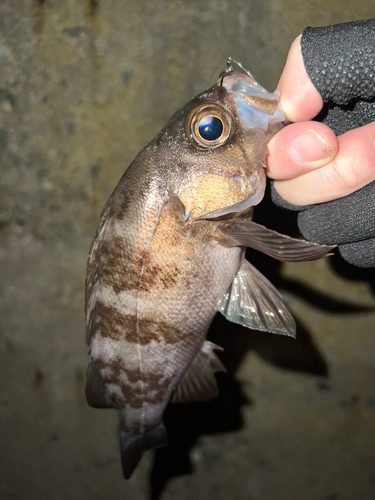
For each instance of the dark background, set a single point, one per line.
(83, 87)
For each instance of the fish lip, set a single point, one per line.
(256, 107)
(253, 199)
(233, 80)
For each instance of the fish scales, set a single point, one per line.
(169, 253)
(145, 297)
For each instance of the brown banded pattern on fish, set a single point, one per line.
(168, 253)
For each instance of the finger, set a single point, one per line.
(352, 168)
(299, 99)
(299, 148)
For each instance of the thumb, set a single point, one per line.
(299, 99)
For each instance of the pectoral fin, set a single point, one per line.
(199, 382)
(279, 246)
(252, 301)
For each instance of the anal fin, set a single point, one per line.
(199, 382)
(253, 301)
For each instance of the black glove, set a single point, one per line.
(340, 61)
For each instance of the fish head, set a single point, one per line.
(217, 144)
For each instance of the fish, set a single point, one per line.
(169, 253)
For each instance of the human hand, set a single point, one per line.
(309, 163)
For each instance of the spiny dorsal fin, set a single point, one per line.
(252, 301)
(199, 382)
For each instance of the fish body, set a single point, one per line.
(169, 253)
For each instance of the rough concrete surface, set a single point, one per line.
(83, 87)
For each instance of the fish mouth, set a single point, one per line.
(256, 108)
(257, 181)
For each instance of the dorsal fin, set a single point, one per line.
(96, 393)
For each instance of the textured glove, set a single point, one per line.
(340, 61)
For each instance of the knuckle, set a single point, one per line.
(343, 173)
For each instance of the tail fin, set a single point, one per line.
(133, 445)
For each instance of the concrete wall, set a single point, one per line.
(83, 87)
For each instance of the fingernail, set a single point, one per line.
(311, 148)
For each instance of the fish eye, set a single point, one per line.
(209, 126)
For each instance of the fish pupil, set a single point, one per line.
(210, 128)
